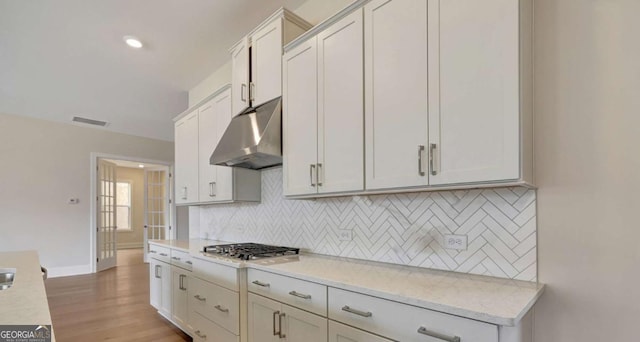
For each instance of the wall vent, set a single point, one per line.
(89, 121)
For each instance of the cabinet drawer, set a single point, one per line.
(160, 253)
(224, 276)
(205, 330)
(404, 322)
(181, 259)
(339, 332)
(295, 292)
(216, 303)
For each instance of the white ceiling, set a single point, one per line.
(65, 58)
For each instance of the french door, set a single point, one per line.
(107, 216)
(157, 206)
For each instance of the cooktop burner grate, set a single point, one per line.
(250, 251)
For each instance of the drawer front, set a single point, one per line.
(295, 292)
(160, 253)
(216, 303)
(224, 276)
(181, 259)
(404, 322)
(339, 332)
(205, 330)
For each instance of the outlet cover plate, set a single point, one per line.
(345, 235)
(457, 242)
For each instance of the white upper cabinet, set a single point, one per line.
(396, 78)
(240, 76)
(474, 120)
(208, 140)
(256, 61)
(186, 155)
(223, 188)
(323, 111)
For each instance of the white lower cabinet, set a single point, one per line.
(270, 320)
(343, 333)
(205, 330)
(160, 286)
(180, 285)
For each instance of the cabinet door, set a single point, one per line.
(395, 93)
(208, 140)
(166, 290)
(180, 283)
(266, 63)
(300, 120)
(240, 76)
(298, 325)
(186, 156)
(223, 188)
(204, 330)
(340, 106)
(263, 319)
(155, 283)
(344, 333)
(474, 104)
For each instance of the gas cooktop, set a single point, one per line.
(249, 251)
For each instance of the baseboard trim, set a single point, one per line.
(55, 272)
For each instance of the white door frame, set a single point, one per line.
(94, 156)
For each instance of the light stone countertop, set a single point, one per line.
(195, 247)
(488, 299)
(24, 303)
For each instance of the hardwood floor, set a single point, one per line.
(111, 305)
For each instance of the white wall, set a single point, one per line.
(42, 165)
(587, 107)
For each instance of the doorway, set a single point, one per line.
(132, 205)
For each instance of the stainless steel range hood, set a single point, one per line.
(253, 139)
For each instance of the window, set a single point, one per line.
(123, 205)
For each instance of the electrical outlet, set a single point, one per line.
(345, 235)
(73, 201)
(457, 242)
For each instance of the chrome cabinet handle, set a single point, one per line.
(300, 295)
(259, 283)
(188, 262)
(202, 299)
(152, 251)
(432, 148)
(199, 334)
(175, 258)
(252, 91)
(280, 334)
(220, 308)
(275, 332)
(184, 193)
(157, 274)
(182, 278)
(164, 254)
(424, 331)
(243, 96)
(420, 153)
(318, 175)
(356, 312)
(312, 168)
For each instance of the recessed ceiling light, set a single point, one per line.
(141, 166)
(132, 41)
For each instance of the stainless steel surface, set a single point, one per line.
(280, 334)
(420, 152)
(439, 336)
(318, 178)
(252, 91)
(248, 251)
(432, 149)
(356, 312)
(312, 167)
(211, 192)
(199, 334)
(253, 139)
(275, 314)
(300, 295)
(259, 283)
(243, 96)
(7, 276)
(220, 308)
(202, 299)
(182, 287)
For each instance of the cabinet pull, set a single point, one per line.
(275, 332)
(211, 189)
(220, 308)
(259, 283)
(189, 262)
(164, 254)
(356, 312)
(252, 91)
(318, 179)
(280, 334)
(157, 274)
(175, 258)
(243, 89)
(184, 193)
(312, 167)
(202, 299)
(432, 149)
(424, 331)
(153, 252)
(420, 153)
(300, 295)
(199, 334)
(182, 287)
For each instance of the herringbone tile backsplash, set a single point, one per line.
(405, 229)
